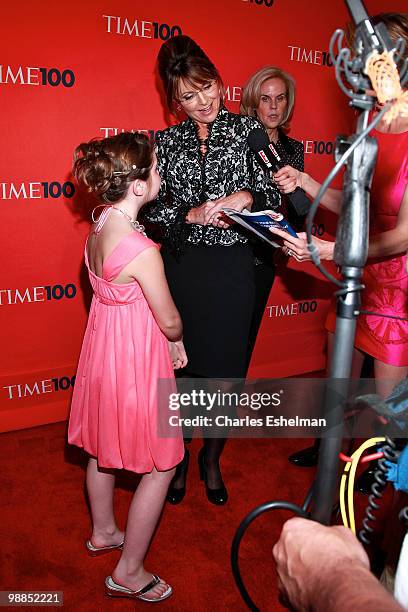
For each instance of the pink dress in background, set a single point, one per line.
(385, 279)
(114, 410)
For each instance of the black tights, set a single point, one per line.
(213, 448)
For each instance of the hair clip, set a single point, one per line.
(96, 153)
(118, 173)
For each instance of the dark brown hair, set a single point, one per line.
(107, 167)
(396, 24)
(181, 58)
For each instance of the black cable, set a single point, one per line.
(403, 516)
(309, 497)
(377, 489)
(272, 505)
(379, 314)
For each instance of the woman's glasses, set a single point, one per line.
(191, 96)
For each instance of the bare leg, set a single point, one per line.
(100, 485)
(144, 513)
(388, 376)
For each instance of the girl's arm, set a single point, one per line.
(147, 268)
(178, 354)
(288, 178)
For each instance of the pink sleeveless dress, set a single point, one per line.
(114, 410)
(385, 279)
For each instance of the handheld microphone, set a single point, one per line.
(270, 160)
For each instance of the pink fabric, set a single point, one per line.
(386, 280)
(114, 410)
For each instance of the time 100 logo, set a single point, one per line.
(267, 3)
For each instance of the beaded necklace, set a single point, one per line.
(133, 222)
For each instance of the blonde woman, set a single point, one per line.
(269, 95)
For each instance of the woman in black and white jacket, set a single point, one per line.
(205, 165)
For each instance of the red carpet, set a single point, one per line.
(45, 522)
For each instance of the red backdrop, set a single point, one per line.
(72, 71)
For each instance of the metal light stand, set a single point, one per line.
(350, 253)
(351, 248)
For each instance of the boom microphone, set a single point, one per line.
(270, 160)
(369, 38)
(377, 65)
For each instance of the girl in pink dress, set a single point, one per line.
(132, 340)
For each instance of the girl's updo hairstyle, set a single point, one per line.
(181, 58)
(107, 167)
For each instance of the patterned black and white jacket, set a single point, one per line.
(189, 179)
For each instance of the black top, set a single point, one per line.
(292, 151)
(190, 178)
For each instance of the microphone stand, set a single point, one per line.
(350, 253)
(351, 247)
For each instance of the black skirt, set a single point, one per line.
(213, 289)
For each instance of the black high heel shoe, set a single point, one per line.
(307, 457)
(175, 496)
(219, 496)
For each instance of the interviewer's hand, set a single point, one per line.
(178, 354)
(297, 247)
(308, 556)
(288, 178)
